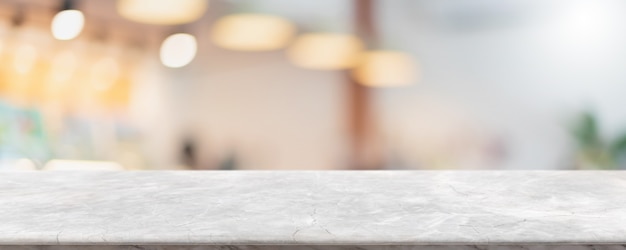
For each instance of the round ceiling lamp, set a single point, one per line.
(382, 68)
(178, 50)
(252, 32)
(325, 51)
(162, 12)
(68, 23)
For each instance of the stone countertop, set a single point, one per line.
(313, 208)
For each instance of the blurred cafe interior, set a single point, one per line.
(312, 85)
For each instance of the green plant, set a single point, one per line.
(594, 151)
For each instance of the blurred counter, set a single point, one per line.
(313, 210)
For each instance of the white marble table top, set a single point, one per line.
(310, 208)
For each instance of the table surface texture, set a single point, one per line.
(313, 208)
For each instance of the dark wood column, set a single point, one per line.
(364, 153)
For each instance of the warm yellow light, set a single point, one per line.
(252, 32)
(178, 50)
(325, 51)
(104, 73)
(67, 24)
(25, 58)
(385, 69)
(63, 66)
(162, 11)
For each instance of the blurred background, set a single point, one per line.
(316, 85)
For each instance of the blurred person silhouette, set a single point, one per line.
(188, 154)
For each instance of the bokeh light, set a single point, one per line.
(67, 24)
(385, 69)
(63, 66)
(25, 58)
(104, 73)
(252, 32)
(162, 11)
(178, 50)
(326, 51)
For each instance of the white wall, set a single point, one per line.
(522, 69)
(266, 111)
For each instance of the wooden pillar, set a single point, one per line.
(363, 148)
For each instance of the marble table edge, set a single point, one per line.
(309, 243)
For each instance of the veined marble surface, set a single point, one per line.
(402, 208)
